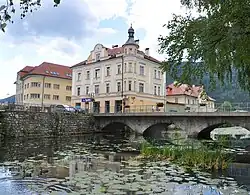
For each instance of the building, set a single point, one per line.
(44, 85)
(193, 97)
(118, 79)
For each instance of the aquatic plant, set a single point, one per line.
(189, 156)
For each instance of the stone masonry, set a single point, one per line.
(192, 123)
(33, 124)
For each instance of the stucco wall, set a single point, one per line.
(31, 124)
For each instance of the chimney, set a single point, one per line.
(114, 46)
(147, 51)
(137, 41)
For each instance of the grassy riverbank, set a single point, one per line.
(190, 157)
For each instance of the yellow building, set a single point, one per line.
(190, 97)
(44, 85)
(118, 79)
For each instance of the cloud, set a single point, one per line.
(66, 34)
(151, 16)
(72, 19)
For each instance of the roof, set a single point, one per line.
(47, 69)
(118, 50)
(185, 89)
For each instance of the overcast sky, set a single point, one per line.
(66, 34)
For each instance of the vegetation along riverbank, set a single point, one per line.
(201, 157)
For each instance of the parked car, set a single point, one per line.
(64, 108)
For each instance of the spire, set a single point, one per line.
(131, 39)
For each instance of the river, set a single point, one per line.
(104, 164)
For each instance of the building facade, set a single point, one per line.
(190, 97)
(44, 85)
(118, 79)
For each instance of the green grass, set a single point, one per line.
(201, 157)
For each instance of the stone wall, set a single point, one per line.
(33, 124)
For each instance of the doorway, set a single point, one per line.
(96, 107)
(107, 106)
(118, 105)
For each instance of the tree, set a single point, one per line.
(218, 38)
(7, 9)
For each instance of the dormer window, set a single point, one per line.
(98, 56)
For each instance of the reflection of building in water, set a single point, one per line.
(110, 161)
(239, 169)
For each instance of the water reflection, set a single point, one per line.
(93, 163)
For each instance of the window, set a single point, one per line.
(119, 69)
(24, 97)
(135, 86)
(78, 91)
(126, 51)
(159, 74)
(27, 96)
(159, 90)
(55, 97)
(97, 73)
(68, 88)
(130, 67)
(188, 101)
(47, 85)
(79, 76)
(155, 88)
(68, 98)
(141, 70)
(88, 75)
(125, 67)
(34, 96)
(124, 86)
(25, 86)
(107, 71)
(193, 102)
(98, 56)
(87, 90)
(35, 84)
(107, 88)
(130, 50)
(155, 76)
(96, 89)
(28, 85)
(118, 86)
(141, 87)
(135, 68)
(176, 100)
(56, 86)
(46, 96)
(130, 85)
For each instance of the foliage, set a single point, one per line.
(226, 106)
(189, 156)
(218, 38)
(9, 8)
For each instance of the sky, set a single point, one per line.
(66, 34)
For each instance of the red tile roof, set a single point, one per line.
(48, 69)
(183, 89)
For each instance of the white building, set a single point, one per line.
(121, 77)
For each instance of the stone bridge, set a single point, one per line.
(195, 124)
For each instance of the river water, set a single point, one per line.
(105, 164)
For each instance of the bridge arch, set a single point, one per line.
(116, 126)
(155, 130)
(205, 133)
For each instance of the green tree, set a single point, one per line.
(226, 107)
(9, 8)
(218, 38)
